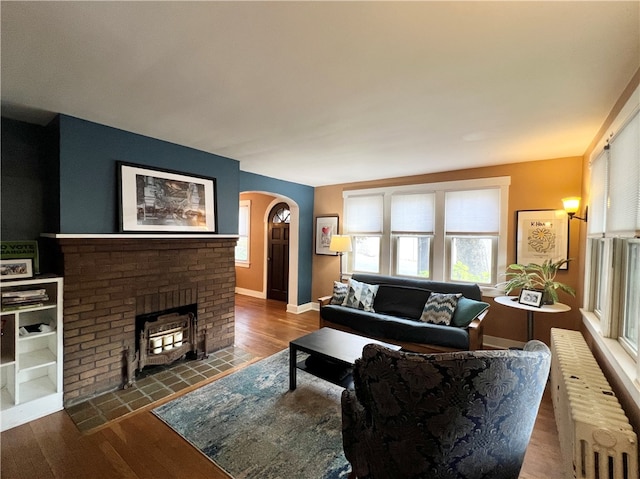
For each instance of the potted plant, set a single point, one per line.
(540, 277)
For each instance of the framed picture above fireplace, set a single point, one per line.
(167, 201)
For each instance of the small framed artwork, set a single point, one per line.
(542, 235)
(326, 227)
(530, 297)
(16, 268)
(154, 200)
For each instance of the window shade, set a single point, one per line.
(412, 213)
(598, 194)
(364, 214)
(624, 180)
(472, 211)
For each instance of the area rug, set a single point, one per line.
(252, 426)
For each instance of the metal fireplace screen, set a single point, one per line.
(168, 338)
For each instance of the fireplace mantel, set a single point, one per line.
(137, 236)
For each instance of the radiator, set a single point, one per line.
(596, 439)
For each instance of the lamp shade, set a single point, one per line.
(340, 243)
(571, 204)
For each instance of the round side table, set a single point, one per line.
(512, 302)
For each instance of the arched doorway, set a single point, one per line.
(278, 252)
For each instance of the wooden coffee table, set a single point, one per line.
(332, 345)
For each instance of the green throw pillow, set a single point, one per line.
(466, 311)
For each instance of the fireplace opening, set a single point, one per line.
(163, 337)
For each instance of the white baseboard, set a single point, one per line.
(292, 308)
(251, 292)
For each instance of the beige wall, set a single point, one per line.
(252, 278)
(534, 185)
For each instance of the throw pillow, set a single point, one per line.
(466, 311)
(440, 307)
(360, 295)
(340, 291)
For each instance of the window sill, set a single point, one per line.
(243, 264)
(618, 359)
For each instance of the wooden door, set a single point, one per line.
(278, 259)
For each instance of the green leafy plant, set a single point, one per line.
(541, 277)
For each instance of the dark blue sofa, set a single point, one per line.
(398, 306)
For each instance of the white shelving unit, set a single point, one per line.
(31, 364)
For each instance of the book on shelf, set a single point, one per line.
(22, 300)
(19, 307)
(24, 293)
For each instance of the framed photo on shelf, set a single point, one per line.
(530, 297)
(542, 235)
(20, 268)
(326, 227)
(155, 200)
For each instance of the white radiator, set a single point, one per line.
(596, 439)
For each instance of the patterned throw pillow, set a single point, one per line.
(360, 295)
(439, 308)
(339, 292)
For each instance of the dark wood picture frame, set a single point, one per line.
(326, 227)
(154, 200)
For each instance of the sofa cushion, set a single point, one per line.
(440, 307)
(393, 328)
(340, 291)
(401, 301)
(466, 311)
(360, 295)
(469, 290)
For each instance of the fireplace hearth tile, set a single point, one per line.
(154, 384)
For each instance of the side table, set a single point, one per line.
(512, 302)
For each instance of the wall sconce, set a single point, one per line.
(340, 244)
(572, 205)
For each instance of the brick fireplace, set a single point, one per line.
(110, 281)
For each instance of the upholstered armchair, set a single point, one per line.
(459, 415)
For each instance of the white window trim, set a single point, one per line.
(624, 366)
(616, 357)
(439, 265)
(245, 263)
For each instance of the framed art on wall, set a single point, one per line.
(542, 235)
(326, 227)
(155, 200)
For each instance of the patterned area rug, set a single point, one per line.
(252, 426)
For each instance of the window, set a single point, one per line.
(472, 224)
(244, 223)
(412, 219)
(613, 272)
(365, 228)
(442, 231)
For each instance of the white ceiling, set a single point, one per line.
(329, 92)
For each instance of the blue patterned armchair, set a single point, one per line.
(459, 415)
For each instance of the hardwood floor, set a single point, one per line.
(141, 446)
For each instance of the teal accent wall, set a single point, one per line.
(68, 172)
(88, 178)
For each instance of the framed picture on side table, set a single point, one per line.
(530, 297)
(542, 235)
(326, 227)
